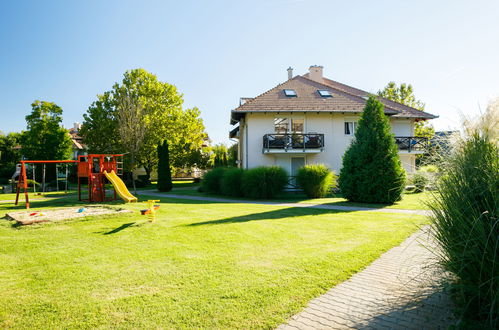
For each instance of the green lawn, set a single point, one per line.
(200, 265)
(410, 201)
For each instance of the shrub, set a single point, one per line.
(264, 182)
(420, 181)
(315, 180)
(465, 219)
(230, 183)
(211, 182)
(371, 171)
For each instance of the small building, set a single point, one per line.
(312, 119)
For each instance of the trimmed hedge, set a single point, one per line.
(264, 181)
(315, 180)
(212, 180)
(230, 183)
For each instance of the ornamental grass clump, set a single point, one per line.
(315, 180)
(465, 220)
(264, 181)
(230, 183)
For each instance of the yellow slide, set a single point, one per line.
(120, 187)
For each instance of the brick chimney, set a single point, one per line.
(316, 73)
(290, 73)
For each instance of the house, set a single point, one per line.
(77, 146)
(311, 119)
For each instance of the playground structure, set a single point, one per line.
(93, 169)
(151, 211)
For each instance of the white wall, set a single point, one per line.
(257, 125)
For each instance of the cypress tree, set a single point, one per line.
(164, 171)
(371, 171)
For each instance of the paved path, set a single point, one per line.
(316, 206)
(400, 290)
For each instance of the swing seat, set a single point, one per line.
(144, 212)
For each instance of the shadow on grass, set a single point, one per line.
(269, 215)
(120, 228)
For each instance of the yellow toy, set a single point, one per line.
(151, 211)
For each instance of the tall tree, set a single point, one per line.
(164, 169)
(405, 94)
(371, 170)
(131, 126)
(163, 117)
(45, 138)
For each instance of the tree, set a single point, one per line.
(163, 117)
(131, 126)
(9, 154)
(233, 154)
(45, 138)
(405, 94)
(402, 94)
(372, 172)
(164, 170)
(219, 155)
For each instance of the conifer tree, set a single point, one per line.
(371, 171)
(164, 170)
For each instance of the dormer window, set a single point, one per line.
(324, 93)
(290, 93)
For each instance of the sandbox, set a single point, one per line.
(32, 216)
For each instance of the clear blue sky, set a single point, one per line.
(217, 51)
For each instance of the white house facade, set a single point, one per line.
(311, 119)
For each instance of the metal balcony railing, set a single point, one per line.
(293, 141)
(411, 143)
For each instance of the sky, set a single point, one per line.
(215, 52)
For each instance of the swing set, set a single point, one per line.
(95, 169)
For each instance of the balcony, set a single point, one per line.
(411, 144)
(293, 143)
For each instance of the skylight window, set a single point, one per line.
(290, 93)
(324, 93)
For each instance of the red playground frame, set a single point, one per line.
(91, 167)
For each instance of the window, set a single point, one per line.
(281, 125)
(350, 127)
(290, 93)
(297, 125)
(324, 93)
(289, 125)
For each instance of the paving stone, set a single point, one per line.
(400, 290)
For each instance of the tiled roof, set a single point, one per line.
(345, 99)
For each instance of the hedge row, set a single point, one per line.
(267, 181)
(259, 182)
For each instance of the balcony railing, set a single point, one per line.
(293, 142)
(411, 143)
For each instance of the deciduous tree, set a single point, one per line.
(45, 138)
(163, 118)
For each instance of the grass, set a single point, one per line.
(410, 200)
(200, 265)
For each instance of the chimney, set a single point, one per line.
(290, 73)
(76, 126)
(316, 73)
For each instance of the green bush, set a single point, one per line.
(230, 183)
(371, 171)
(465, 219)
(420, 181)
(264, 182)
(212, 180)
(315, 180)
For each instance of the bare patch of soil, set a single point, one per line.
(29, 217)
